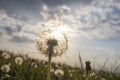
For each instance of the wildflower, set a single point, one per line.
(51, 42)
(18, 60)
(25, 57)
(33, 64)
(5, 68)
(52, 39)
(59, 72)
(6, 55)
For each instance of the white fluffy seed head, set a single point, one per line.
(59, 72)
(54, 36)
(19, 60)
(5, 68)
(5, 55)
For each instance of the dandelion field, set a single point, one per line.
(22, 67)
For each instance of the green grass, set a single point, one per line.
(27, 72)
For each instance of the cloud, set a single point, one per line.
(20, 39)
(98, 20)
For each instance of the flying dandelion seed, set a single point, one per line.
(5, 68)
(5, 55)
(18, 60)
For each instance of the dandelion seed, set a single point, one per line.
(5, 55)
(59, 72)
(5, 68)
(18, 60)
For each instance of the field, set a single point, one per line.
(22, 67)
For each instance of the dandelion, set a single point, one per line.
(59, 72)
(5, 55)
(51, 42)
(18, 60)
(5, 68)
(33, 64)
(52, 39)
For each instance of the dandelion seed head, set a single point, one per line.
(5, 68)
(33, 64)
(18, 60)
(5, 55)
(59, 72)
(52, 37)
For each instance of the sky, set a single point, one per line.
(92, 27)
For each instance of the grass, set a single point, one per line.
(32, 69)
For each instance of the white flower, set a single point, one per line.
(18, 60)
(5, 68)
(59, 72)
(52, 37)
(6, 55)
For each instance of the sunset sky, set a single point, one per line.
(92, 27)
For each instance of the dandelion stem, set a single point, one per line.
(50, 51)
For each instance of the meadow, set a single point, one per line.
(21, 67)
